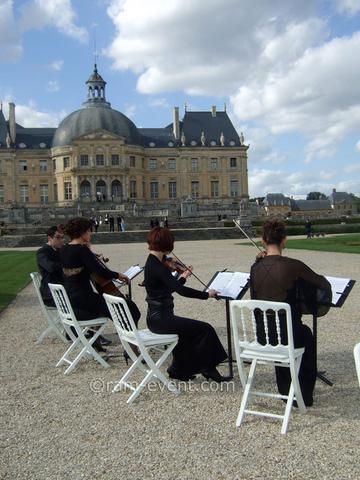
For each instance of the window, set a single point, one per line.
(171, 164)
(132, 161)
(213, 163)
(152, 163)
(214, 188)
(24, 193)
(233, 188)
(195, 189)
(55, 192)
(100, 161)
(194, 164)
(172, 189)
(66, 161)
(132, 188)
(115, 159)
(84, 160)
(232, 162)
(44, 194)
(23, 165)
(43, 165)
(1, 193)
(154, 190)
(67, 191)
(54, 164)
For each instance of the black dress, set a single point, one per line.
(199, 348)
(279, 279)
(49, 265)
(78, 263)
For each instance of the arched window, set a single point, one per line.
(116, 189)
(101, 190)
(85, 189)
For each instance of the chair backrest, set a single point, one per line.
(121, 316)
(63, 304)
(36, 278)
(262, 323)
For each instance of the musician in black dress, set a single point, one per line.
(199, 349)
(78, 263)
(282, 279)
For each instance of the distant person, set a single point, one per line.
(106, 219)
(156, 222)
(112, 223)
(96, 224)
(166, 223)
(161, 223)
(151, 223)
(49, 263)
(308, 228)
(118, 223)
(122, 224)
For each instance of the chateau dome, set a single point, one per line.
(95, 114)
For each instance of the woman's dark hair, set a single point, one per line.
(273, 232)
(77, 226)
(160, 239)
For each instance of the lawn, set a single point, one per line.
(349, 243)
(14, 274)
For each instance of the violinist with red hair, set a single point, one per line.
(199, 349)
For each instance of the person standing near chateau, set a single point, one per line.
(283, 279)
(112, 223)
(49, 263)
(308, 229)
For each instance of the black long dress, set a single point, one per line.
(199, 348)
(278, 279)
(78, 263)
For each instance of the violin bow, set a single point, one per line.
(192, 273)
(237, 223)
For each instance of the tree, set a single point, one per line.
(316, 196)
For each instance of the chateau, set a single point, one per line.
(97, 155)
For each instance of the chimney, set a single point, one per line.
(213, 110)
(176, 124)
(12, 125)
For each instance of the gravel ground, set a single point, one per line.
(73, 427)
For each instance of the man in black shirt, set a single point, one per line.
(49, 264)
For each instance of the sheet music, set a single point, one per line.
(229, 284)
(131, 273)
(338, 286)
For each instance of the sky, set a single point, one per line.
(287, 70)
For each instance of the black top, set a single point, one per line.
(276, 278)
(49, 265)
(78, 262)
(160, 283)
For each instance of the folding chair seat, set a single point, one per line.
(144, 340)
(248, 317)
(357, 360)
(76, 330)
(50, 313)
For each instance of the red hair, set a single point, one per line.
(160, 239)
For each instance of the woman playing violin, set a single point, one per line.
(199, 349)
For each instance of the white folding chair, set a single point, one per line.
(357, 360)
(50, 313)
(248, 348)
(76, 329)
(144, 340)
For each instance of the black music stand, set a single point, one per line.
(338, 304)
(241, 292)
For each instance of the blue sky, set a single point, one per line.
(287, 70)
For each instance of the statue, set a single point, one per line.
(242, 139)
(222, 139)
(202, 138)
(8, 140)
(182, 139)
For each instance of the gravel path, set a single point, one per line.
(73, 427)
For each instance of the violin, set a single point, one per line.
(174, 265)
(104, 285)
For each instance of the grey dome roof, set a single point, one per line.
(95, 117)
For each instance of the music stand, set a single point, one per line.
(232, 286)
(341, 288)
(131, 273)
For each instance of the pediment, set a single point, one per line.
(99, 135)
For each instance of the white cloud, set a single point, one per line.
(56, 65)
(352, 168)
(29, 116)
(349, 7)
(56, 13)
(10, 40)
(159, 102)
(53, 86)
